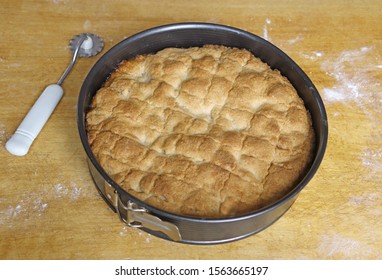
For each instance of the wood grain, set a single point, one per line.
(49, 208)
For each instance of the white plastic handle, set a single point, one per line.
(34, 121)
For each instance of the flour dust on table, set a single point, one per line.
(29, 206)
(267, 27)
(359, 86)
(337, 245)
(353, 85)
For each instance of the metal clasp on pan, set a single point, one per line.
(138, 217)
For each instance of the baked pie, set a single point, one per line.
(208, 132)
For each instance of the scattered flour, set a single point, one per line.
(136, 233)
(371, 199)
(145, 235)
(123, 231)
(312, 55)
(372, 160)
(265, 30)
(336, 245)
(29, 205)
(71, 191)
(333, 95)
(351, 85)
(295, 40)
(359, 86)
(370, 202)
(14, 65)
(58, 2)
(87, 24)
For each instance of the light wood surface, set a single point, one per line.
(49, 208)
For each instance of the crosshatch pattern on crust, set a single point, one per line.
(207, 132)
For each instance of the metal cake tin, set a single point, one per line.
(136, 213)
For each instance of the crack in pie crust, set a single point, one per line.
(207, 132)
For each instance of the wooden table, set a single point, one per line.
(49, 208)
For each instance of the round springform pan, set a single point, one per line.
(188, 229)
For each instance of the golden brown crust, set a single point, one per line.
(207, 132)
